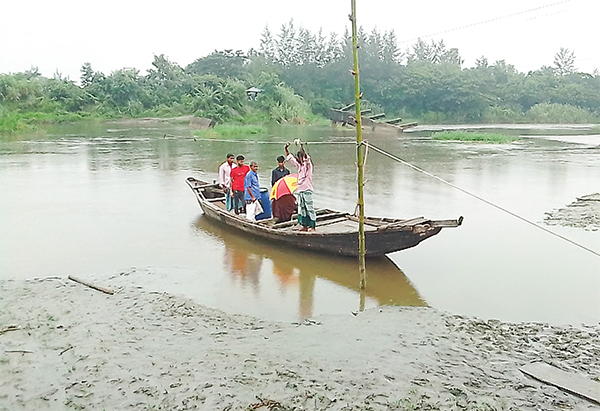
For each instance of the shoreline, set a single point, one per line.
(64, 345)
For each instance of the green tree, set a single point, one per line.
(87, 74)
(225, 63)
(564, 62)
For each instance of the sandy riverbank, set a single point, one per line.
(66, 346)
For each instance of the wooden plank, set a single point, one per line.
(569, 382)
(394, 120)
(369, 220)
(325, 217)
(447, 223)
(212, 200)
(408, 223)
(332, 221)
(322, 215)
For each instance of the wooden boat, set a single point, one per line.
(337, 232)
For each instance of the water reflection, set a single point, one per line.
(245, 260)
(115, 196)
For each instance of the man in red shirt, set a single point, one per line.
(237, 184)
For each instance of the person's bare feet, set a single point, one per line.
(311, 229)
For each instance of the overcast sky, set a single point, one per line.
(112, 34)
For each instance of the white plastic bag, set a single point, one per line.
(253, 209)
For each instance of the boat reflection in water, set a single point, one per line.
(249, 261)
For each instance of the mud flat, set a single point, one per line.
(582, 213)
(67, 346)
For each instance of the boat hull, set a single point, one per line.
(378, 241)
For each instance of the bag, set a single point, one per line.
(253, 209)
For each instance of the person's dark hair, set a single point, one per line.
(300, 155)
(229, 155)
(240, 157)
(281, 159)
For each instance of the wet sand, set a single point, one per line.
(66, 346)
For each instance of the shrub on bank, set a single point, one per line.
(493, 138)
(559, 113)
(230, 130)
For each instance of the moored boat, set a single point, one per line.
(336, 232)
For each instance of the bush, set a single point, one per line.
(502, 114)
(471, 136)
(228, 130)
(10, 122)
(559, 113)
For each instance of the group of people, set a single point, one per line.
(242, 189)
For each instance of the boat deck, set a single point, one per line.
(332, 222)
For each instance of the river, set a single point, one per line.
(109, 201)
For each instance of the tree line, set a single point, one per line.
(302, 75)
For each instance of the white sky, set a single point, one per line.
(112, 34)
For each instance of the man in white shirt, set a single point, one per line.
(225, 179)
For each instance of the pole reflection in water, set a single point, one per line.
(247, 258)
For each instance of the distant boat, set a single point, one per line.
(336, 233)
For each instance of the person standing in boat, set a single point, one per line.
(304, 193)
(279, 171)
(284, 206)
(238, 174)
(252, 191)
(225, 179)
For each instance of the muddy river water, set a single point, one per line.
(110, 201)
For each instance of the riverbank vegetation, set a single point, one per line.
(229, 130)
(300, 75)
(474, 136)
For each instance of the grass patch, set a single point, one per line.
(54, 117)
(472, 136)
(11, 122)
(229, 130)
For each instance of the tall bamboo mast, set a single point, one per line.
(359, 155)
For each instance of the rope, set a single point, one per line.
(270, 142)
(398, 159)
(486, 21)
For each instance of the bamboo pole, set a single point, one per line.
(359, 155)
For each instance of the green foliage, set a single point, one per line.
(502, 115)
(303, 75)
(559, 113)
(472, 136)
(283, 105)
(564, 62)
(229, 130)
(10, 122)
(226, 63)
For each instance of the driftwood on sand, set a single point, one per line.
(94, 286)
